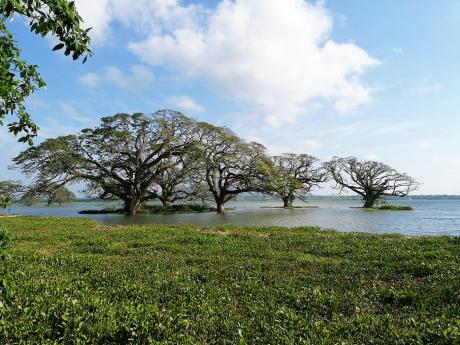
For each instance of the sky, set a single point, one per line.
(376, 80)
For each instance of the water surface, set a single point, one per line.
(429, 217)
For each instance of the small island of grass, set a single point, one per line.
(395, 208)
(390, 208)
(156, 209)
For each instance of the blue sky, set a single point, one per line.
(378, 80)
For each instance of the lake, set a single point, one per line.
(429, 217)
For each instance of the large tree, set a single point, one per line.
(230, 166)
(18, 78)
(293, 176)
(370, 179)
(119, 159)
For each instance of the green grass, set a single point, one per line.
(75, 281)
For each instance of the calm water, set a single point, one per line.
(429, 217)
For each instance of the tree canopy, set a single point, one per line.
(18, 78)
(168, 156)
(51, 192)
(370, 179)
(119, 159)
(177, 180)
(293, 176)
(230, 166)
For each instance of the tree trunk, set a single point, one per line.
(287, 203)
(220, 207)
(369, 202)
(166, 203)
(220, 202)
(288, 200)
(132, 207)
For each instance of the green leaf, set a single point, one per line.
(58, 46)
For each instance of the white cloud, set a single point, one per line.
(371, 157)
(97, 15)
(139, 79)
(398, 50)
(91, 79)
(68, 109)
(71, 112)
(156, 16)
(186, 103)
(276, 56)
(304, 146)
(426, 89)
(151, 16)
(380, 128)
(37, 103)
(310, 145)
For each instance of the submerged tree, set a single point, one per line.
(53, 163)
(120, 159)
(59, 195)
(230, 166)
(30, 197)
(8, 190)
(370, 179)
(293, 176)
(18, 78)
(51, 192)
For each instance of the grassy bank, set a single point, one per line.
(76, 281)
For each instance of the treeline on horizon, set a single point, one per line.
(170, 157)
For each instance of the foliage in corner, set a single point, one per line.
(18, 78)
